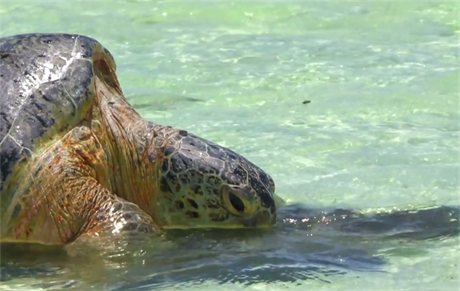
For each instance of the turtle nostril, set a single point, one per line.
(236, 202)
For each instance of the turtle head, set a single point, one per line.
(204, 185)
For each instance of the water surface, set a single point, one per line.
(381, 132)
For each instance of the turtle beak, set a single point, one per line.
(263, 218)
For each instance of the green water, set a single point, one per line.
(381, 131)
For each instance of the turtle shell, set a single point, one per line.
(46, 88)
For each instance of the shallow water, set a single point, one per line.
(381, 131)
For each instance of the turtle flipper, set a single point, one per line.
(66, 193)
(120, 217)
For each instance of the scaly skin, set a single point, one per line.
(110, 171)
(181, 180)
(67, 191)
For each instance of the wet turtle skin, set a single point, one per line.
(77, 159)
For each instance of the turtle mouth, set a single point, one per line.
(263, 219)
(223, 219)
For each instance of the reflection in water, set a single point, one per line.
(308, 243)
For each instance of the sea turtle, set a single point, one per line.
(77, 159)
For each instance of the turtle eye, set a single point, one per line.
(238, 201)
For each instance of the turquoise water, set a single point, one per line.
(381, 131)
